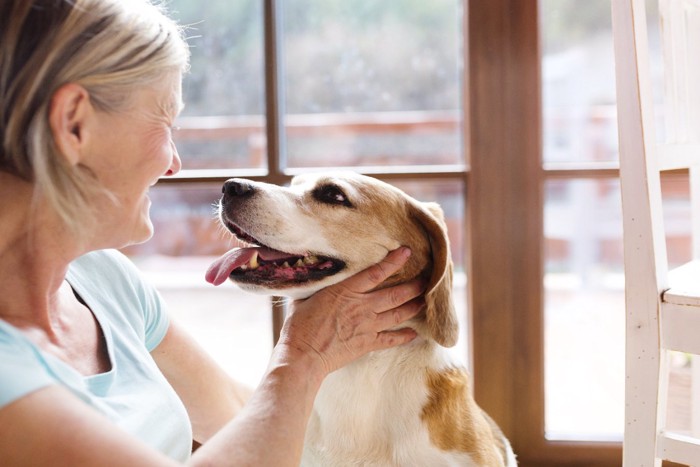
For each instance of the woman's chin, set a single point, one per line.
(143, 230)
(143, 233)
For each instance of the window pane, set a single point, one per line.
(584, 310)
(372, 83)
(675, 193)
(222, 125)
(585, 307)
(578, 81)
(234, 326)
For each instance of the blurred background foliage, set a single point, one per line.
(339, 56)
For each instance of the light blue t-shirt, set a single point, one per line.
(133, 394)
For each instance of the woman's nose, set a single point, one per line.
(176, 164)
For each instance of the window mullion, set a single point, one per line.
(274, 89)
(274, 113)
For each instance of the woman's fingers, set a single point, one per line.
(388, 339)
(378, 273)
(395, 296)
(381, 310)
(396, 316)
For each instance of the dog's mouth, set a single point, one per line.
(262, 265)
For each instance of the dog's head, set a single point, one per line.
(328, 226)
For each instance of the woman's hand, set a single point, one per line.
(345, 321)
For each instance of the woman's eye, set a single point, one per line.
(331, 194)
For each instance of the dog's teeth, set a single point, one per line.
(299, 263)
(285, 264)
(244, 267)
(254, 261)
(309, 260)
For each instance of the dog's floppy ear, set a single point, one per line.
(441, 318)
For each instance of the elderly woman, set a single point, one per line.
(91, 370)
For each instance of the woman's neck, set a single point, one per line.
(35, 250)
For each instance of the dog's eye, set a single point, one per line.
(331, 194)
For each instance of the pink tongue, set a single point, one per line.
(222, 268)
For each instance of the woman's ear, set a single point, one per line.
(68, 112)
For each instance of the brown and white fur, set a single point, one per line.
(406, 406)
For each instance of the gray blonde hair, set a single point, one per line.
(110, 47)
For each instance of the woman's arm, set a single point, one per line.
(52, 427)
(212, 398)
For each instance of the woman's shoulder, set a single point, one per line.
(22, 368)
(105, 262)
(107, 271)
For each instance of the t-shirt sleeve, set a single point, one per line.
(20, 371)
(156, 318)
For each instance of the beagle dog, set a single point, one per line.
(406, 406)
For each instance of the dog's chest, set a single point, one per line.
(370, 414)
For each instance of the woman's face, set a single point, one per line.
(132, 150)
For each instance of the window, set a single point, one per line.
(519, 146)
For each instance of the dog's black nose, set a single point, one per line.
(236, 187)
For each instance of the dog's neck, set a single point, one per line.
(385, 365)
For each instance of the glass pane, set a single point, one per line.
(372, 83)
(233, 326)
(675, 193)
(222, 125)
(584, 310)
(585, 307)
(578, 81)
